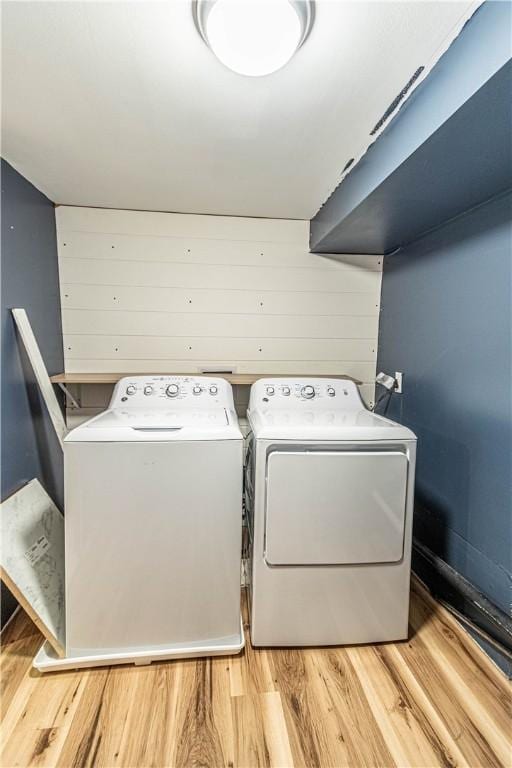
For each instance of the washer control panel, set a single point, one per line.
(317, 393)
(189, 391)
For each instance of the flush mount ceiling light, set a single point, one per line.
(253, 37)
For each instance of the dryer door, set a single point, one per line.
(335, 507)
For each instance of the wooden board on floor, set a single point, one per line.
(32, 559)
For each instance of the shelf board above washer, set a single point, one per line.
(233, 378)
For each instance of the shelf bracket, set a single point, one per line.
(70, 397)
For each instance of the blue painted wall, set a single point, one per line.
(446, 323)
(30, 279)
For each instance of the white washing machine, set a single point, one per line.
(153, 500)
(329, 496)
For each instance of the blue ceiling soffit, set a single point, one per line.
(447, 150)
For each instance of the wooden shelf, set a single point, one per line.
(233, 378)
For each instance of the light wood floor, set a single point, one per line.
(435, 700)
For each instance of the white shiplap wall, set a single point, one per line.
(162, 292)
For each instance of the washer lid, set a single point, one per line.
(315, 424)
(134, 425)
(134, 419)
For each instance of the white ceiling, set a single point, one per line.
(122, 105)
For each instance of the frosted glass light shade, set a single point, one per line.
(253, 37)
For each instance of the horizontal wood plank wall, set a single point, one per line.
(167, 292)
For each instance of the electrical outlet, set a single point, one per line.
(399, 377)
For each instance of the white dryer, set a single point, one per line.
(329, 496)
(153, 498)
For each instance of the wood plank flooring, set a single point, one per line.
(435, 700)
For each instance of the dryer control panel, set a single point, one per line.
(182, 391)
(318, 393)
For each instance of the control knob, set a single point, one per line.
(196, 389)
(331, 391)
(148, 389)
(285, 390)
(308, 391)
(270, 390)
(214, 389)
(172, 390)
(131, 390)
